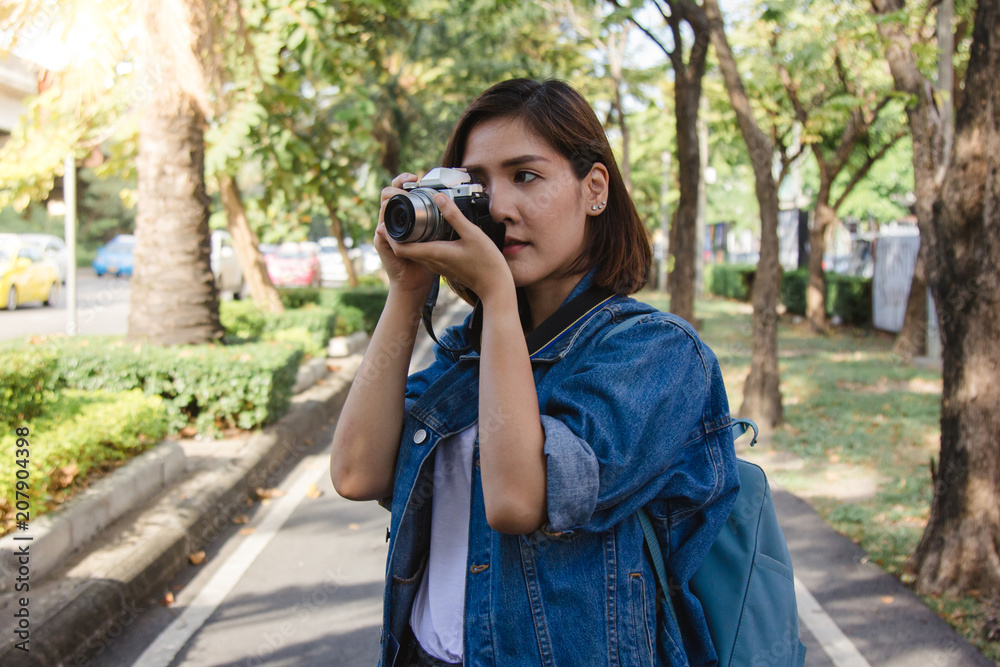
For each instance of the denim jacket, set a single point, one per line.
(636, 419)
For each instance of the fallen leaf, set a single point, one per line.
(313, 491)
(247, 531)
(269, 493)
(197, 558)
(354, 526)
(241, 519)
(63, 476)
(887, 599)
(167, 599)
(308, 442)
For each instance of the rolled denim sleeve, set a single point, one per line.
(572, 474)
(618, 425)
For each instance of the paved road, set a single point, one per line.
(102, 308)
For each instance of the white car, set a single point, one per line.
(225, 267)
(52, 249)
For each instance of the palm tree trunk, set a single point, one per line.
(174, 298)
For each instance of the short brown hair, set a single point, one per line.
(617, 241)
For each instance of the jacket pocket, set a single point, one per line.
(642, 636)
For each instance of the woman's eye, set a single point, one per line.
(524, 177)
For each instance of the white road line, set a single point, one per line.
(169, 643)
(830, 637)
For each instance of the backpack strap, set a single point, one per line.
(654, 551)
(740, 426)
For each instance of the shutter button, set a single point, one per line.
(419, 436)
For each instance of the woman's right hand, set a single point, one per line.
(404, 274)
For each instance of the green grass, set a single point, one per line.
(862, 427)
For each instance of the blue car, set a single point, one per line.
(116, 257)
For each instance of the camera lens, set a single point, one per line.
(413, 217)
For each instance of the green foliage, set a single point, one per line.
(792, 290)
(850, 297)
(211, 386)
(847, 297)
(27, 379)
(369, 300)
(297, 297)
(309, 327)
(733, 281)
(83, 430)
(349, 320)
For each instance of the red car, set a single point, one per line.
(294, 264)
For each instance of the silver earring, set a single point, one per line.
(594, 207)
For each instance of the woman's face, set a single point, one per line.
(533, 189)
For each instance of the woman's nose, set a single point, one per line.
(501, 208)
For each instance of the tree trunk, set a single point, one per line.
(174, 298)
(824, 217)
(959, 552)
(337, 229)
(687, 98)
(682, 239)
(245, 242)
(761, 391)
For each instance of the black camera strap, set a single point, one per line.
(544, 334)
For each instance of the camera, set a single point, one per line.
(413, 217)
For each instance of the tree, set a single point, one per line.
(959, 552)
(848, 121)
(761, 391)
(687, 102)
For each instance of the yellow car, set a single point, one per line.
(24, 276)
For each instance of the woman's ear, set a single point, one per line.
(597, 186)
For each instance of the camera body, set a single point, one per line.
(413, 217)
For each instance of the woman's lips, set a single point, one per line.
(512, 246)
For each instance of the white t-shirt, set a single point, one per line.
(437, 617)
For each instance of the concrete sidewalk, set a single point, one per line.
(852, 614)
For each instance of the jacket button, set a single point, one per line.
(419, 436)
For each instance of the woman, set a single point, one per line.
(514, 474)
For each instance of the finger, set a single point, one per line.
(454, 216)
(405, 177)
(388, 193)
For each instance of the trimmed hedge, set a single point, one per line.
(793, 290)
(849, 297)
(369, 300)
(27, 378)
(733, 281)
(310, 327)
(85, 429)
(212, 386)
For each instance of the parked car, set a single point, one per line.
(53, 250)
(225, 267)
(24, 276)
(117, 257)
(294, 264)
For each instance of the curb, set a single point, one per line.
(96, 594)
(55, 536)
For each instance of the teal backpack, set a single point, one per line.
(745, 584)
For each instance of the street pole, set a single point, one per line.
(69, 197)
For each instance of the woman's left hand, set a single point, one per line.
(472, 259)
